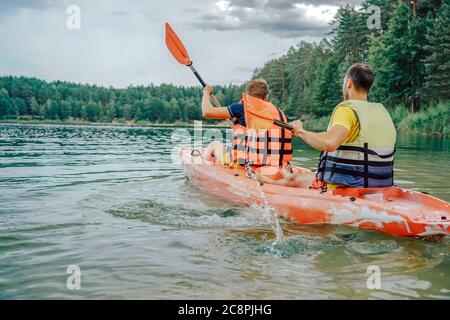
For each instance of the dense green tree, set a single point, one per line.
(155, 107)
(33, 107)
(350, 34)
(396, 57)
(108, 113)
(51, 109)
(92, 111)
(7, 107)
(63, 110)
(21, 105)
(329, 92)
(76, 108)
(387, 8)
(437, 63)
(143, 111)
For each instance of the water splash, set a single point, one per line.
(267, 210)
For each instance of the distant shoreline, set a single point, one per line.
(118, 124)
(314, 124)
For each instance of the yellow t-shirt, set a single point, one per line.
(346, 117)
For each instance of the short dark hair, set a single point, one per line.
(361, 75)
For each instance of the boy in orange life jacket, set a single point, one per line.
(263, 148)
(257, 88)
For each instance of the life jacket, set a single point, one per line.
(272, 147)
(236, 152)
(367, 162)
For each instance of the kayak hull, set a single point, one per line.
(392, 210)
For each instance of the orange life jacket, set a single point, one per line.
(237, 152)
(272, 147)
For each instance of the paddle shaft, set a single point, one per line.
(203, 83)
(283, 125)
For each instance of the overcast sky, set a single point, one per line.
(122, 42)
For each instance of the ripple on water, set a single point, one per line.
(183, 216)
(150, 202)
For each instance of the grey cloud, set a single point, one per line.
(330, 2)
(119, 13)
(9, 6)
(245, 69)
(281, 4)
(284, 4)
(277, 17)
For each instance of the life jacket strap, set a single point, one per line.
(283, 135)
(366, 166)
(269, 139)
(357, 162)
(241, 147)
(355, 174)
(369, 151)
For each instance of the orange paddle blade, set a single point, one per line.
(256, 116)
(176, 47)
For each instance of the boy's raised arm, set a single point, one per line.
(209, 111)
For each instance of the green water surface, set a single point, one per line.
(112, 201)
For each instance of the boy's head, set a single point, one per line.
(359, 79)
(258, 88)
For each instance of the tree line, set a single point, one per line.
(409, 53)
(59, 100)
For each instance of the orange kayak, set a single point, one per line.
(392, 210)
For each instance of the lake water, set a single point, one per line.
(111, 201)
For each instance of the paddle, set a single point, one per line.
(180, 54)
(261, 118)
